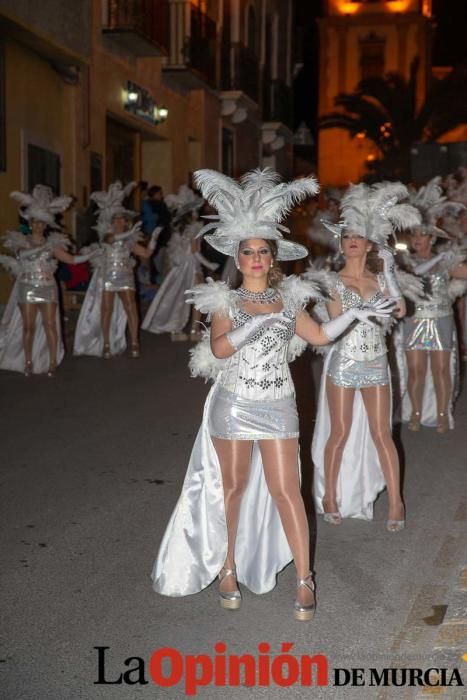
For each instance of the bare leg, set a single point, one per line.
(377, 400)
(128, 299)
(49, 319)
(417, 365)
(107, 306)
(234, 458)
(280, 464)
(28, 314)
(340, 402)
(440, 361)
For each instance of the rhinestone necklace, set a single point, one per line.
(269, 296)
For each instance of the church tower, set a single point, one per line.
(362, 39)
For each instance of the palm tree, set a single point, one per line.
(384, 111)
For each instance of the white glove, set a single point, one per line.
(84, 257)
(154, 236)
(425, 267)
(238, 337)
(207, 263)
(334, 328)
(389, 269)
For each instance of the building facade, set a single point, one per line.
(99, 90)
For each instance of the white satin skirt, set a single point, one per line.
(232, 417)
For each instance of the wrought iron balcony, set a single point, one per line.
(192, 61)
(139, 26)
(239, 70)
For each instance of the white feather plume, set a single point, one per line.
(10, 264)
(412, 286)
(297, 292)
(457, 288)
(433, 206)
(202, 362)
(15, 240)
(326, 279)
(296, 347)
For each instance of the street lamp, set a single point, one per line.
(160, 113)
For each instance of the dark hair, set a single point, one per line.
(154, 189)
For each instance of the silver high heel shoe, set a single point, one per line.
(332, 518)
(233, 599)
(300, 610)
(414, 422)
(443, 423)
(395, 525)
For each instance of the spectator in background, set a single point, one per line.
(155, 212)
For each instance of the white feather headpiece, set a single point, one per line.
(183, 202)
(375, 212)
(41, 205)
(432, 205)
(110, 204)
(252, 208)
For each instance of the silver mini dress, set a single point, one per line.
(255, 397)
(359, 358)
(117, 266)
(431, 327)
(36, 281)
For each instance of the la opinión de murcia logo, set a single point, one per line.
(168, 667)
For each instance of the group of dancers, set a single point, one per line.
(240, 515)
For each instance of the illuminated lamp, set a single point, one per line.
(132, 97)
(160, 114)
(401, 246)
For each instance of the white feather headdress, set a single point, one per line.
(110, 204)
(433, 206)
(41, 205)
(375, 212)
(252, 208)
(183, 202)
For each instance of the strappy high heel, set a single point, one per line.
(232, 599)
(443, 423)
(414, 422)
(134, 350)
(396, 525)
(52, 369)
(300, 610)
(27, 368)
(332, 518)
(106, 354)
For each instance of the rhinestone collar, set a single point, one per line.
(269, 296)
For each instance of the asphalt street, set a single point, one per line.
(92, 463)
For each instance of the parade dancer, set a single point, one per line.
(30, 330)
(353, 450)
(240, 515)
(110, 301)
(168, 312)
(427, 350)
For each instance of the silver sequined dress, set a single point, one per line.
(431, 327)
(36, 280)
(255, 397)
(117, 266)
(359, 357)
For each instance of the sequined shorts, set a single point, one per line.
(37, 293)
(429, 334)
(354, 374)
(234, 418)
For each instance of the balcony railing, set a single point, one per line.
(277, 102)
(140, 26)
(239, 70)
(202, 45)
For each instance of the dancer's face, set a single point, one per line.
(38, 227)
(354, 246)
(119, 224)
(255, 258)
(420, 242)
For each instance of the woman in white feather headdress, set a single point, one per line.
(240, 514)
(427, 348)
(110, 301)
(354, 453)
(168, 312)
(30, 331)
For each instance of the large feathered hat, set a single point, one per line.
(41, 205)
(433, 206)
(375, 211)
(183, 202)
(110, 204)
(252, 208)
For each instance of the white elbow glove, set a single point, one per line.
(238, 337)
(389, 270)
(429, 264)
(334, 328)
(154, 237)
(84, 257)
(207, 263)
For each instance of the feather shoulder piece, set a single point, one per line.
(15, 240)
(202, 362)
(10, 264)
(412, 286)
(297, 292)
(457, 288)
(213, 298)
(58, 240)
(327, 279)
(454, 256)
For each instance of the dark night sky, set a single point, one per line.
(449, 48)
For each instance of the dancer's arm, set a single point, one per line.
(146, 251)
